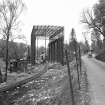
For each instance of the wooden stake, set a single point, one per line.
(70, 80)
(76, 56)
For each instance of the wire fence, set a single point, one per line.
(78, 64)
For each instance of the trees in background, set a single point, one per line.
(94, 19)
(99, 16)
(73, 43)
(86, 43)
(83, 47)
(16, 50)
(96, 41)
(10, 11)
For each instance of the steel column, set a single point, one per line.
(33, 47)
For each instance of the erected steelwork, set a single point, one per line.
(55, 35)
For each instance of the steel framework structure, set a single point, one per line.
(55, 35)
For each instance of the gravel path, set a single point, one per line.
(96, 79)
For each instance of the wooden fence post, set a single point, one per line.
(76, 56)
(70, 80)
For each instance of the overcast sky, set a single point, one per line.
(54, 12)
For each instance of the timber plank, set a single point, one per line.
(24, 81)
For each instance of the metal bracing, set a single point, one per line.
(55, 36)
(50, 30)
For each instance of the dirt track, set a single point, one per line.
(96, 79)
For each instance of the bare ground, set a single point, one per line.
(52, 88)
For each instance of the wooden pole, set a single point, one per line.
(58, 50)
(54, 51)
(76, 56)
(80, 59)
(70, 80)
(45, 44)
(51, 52)
(37, 48)
(62, 48)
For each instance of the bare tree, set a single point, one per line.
(92, 23)
(10, 11)
(95, 17)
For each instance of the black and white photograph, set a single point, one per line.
(52, 52)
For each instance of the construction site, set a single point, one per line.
(57, 80)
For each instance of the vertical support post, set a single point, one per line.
(54, 52)
(37, 48)
(80, 59)
(45, 43)
(51, 52)
(70, 80)
(28, 55)
(62, 47)
(59, 50)
(33, 46)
